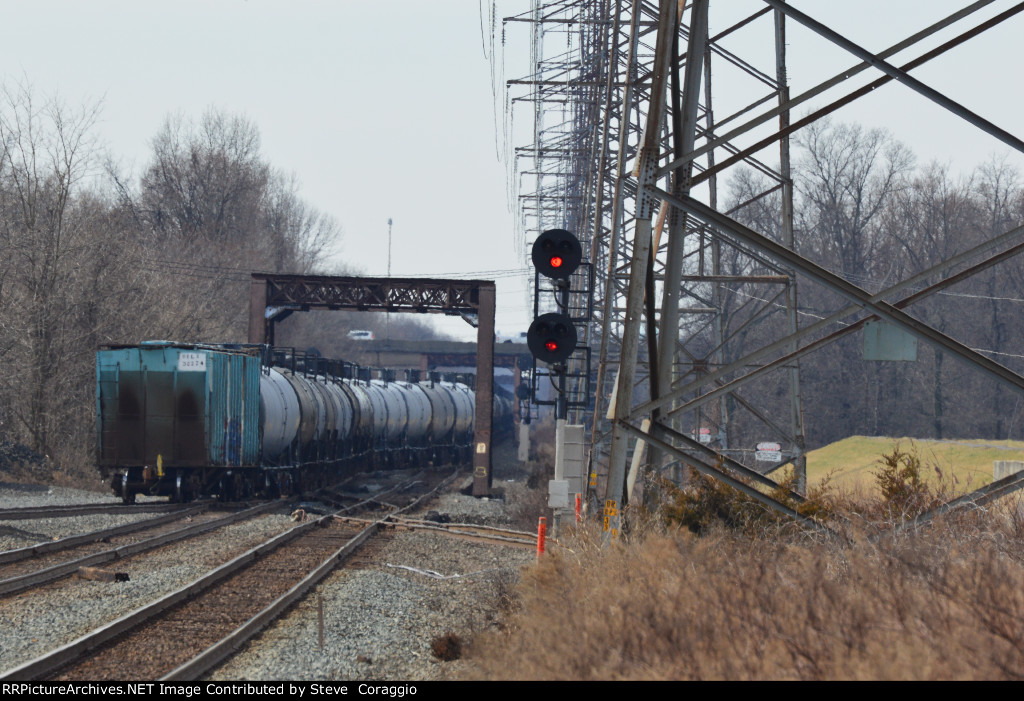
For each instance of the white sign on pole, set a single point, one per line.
(768, 452)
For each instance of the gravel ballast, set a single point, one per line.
(379, 622)
(22, 533)
(380, 617)
(36, 622)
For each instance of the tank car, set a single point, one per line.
(234, 420)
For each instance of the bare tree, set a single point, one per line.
(212, 209)
(206, 180)
(933, 218)
(846, 176)
(46, 154)
(1000, 200)
(89, 261)
(294, 235)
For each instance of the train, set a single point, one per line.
(185, 420)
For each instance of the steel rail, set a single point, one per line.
(474, 536)
(38, 549)
(75, 650)
(505, 536)
(477, 526)
(25, 513)
(20, 583)
(63, 656)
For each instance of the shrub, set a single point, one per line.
(905, 491)
(705, 502)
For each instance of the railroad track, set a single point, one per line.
(48, 563)
(193, 629)
(25, 513)
(38, 550)
(466, 531)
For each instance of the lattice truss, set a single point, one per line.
(630, 141)
(363, 294)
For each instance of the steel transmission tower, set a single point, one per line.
(697, 333)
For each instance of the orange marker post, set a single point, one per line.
(541, 528)
(579, 507)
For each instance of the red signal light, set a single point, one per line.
(552, 336)
(556, 254)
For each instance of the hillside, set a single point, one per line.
(852, 461)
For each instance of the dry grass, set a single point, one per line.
(755, 599)
(678, 606)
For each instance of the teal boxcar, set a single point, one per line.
(164, 407)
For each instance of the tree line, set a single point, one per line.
(864, 208)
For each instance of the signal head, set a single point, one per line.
(551, 338)
(557, 253)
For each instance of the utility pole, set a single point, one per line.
(387, 315)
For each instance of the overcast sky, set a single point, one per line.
(384, 109)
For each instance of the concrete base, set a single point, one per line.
(1005, 468)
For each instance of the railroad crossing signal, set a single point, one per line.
(551, 338)
(557, 254)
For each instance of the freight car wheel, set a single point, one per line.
(127, 496)
(233, 487)
(245, 486)
(270, 490)
(224, 488)
(181, 494)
